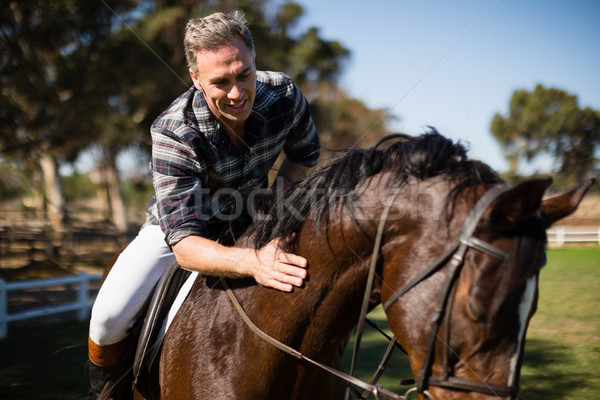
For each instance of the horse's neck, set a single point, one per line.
(338, 269)
(325, 310)
(312, 319)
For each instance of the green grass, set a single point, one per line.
(372, 349)
(562, 353)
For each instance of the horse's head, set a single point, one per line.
(463, 320)
(458, 258)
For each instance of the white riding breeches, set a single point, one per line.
(128, 285)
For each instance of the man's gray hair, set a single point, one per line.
(213, 32)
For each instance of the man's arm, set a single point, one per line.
(269, 266)
(292, 172)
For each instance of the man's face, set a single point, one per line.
(227, 76)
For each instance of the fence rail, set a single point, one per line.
(81, 305)
(567, 234)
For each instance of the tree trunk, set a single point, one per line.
(115, 199)
(54, 204)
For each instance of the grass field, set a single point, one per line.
(562, 358)
(562, 353)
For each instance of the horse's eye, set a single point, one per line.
(473, 312)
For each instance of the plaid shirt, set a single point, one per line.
(195, 164)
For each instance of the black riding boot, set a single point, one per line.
(104, 361)
(98, 378)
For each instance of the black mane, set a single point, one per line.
(332, 185)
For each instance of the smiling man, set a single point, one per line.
(223, 135)
(227, 77)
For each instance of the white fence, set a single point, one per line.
(81, 305)
(566, 234)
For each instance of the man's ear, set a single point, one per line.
(195, 79)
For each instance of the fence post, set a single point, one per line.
(3, 309)
(560, 235)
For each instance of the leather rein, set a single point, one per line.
(456, 255)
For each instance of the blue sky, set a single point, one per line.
(454, 64)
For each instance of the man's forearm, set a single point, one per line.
(292, 172)
(270, 266)
(196, 253)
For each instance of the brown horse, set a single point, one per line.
(456, 268)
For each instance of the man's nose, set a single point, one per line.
(236, 91)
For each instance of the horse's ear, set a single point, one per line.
(558, 207)
(517, 204)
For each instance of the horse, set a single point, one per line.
(455, 255)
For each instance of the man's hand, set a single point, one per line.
(278, 269)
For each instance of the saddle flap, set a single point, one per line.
(163, 299)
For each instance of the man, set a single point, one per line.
(226, 132)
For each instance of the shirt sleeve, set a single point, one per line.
(176, 178)
(302, 144)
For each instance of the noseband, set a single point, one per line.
(456, 255)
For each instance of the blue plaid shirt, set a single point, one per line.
(195, 165)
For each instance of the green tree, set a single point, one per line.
(145, 68)
(51, 86)
(549, 121)
(347, 122)
(76, 75)
(147, 57)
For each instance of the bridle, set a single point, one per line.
(456, 255)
